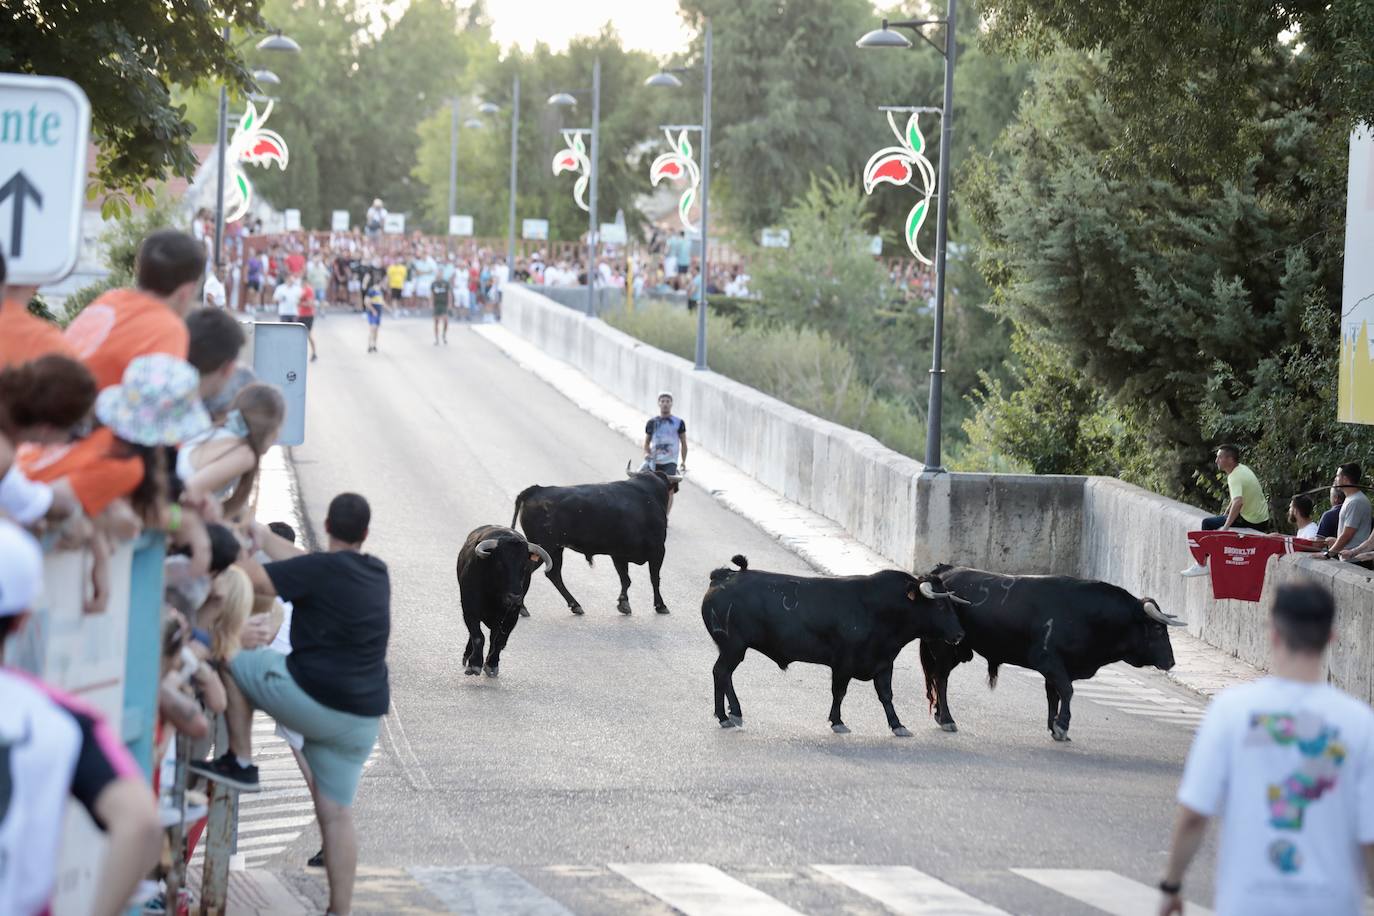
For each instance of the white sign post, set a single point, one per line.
(776, 238)
(460, 225)
(534, 229)
(44, 123)
(612, 234)
(395, 224)
(338, 221)
(293, 220)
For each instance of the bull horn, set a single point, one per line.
(675, 478)
(484, 548)
(543, 554)
(929, 591)
(1153, 611)
(628, 472)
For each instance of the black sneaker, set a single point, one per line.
(225, 769)
(316, 861)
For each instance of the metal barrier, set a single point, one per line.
(111, 662)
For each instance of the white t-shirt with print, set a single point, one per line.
(1287, 766)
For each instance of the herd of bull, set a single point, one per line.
(1063, 628)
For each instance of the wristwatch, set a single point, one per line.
(1171, 887)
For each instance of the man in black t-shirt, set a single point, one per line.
(333, 688)
(442, 292)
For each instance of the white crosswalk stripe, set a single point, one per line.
(908, 892)
(486, 890)
(701, 890)
(1114, 687)
(1105, 890)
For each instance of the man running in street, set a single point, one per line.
(441, 293)
(333, 688)
(665, 441)
(373, 303)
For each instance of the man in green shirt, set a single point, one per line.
(1248, 507)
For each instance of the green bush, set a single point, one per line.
(801, 366)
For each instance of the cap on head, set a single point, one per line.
(665, 394)
(21, 569)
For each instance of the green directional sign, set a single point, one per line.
(44, 125)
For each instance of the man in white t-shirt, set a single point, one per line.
(288, 299)
(1287, 763)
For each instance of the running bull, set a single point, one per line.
(494, 569)
(1064, 628)
(626, 520)
(855, 625)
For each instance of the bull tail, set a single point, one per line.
(520, 503)
(740, 560)
(928, 668)
(992, 675)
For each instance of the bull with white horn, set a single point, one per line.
(494, 569)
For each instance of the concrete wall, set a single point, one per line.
(1094, 527)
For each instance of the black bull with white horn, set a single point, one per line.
(494, 569)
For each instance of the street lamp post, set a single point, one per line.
(566, 100)
(514, 157)
(886, 38)
(485, 108)
(274, 42)
(667, 79)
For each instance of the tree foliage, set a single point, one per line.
(127, 56)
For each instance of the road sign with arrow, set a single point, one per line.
(44, 125)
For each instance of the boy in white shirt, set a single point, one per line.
(1287, 762)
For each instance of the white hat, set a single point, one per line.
(21, 569)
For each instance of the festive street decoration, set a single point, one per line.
(678, 164)
(573, 158)
(252, 144)
(900, 165)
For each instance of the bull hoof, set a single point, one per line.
(901, 731)
(524, 611)
(840, 728)
(576, 609)
(728, 723)
(470, 670)
(1060, 734)
(737, 721)
(623, 607)
(660, 609)
(489, 671)
(949, 727)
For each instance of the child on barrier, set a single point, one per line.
(221, 463)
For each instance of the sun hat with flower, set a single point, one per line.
(157, 403)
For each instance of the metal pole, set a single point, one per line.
(937, 372)
(221, 143)
(591, 215)
(452, 158)
(705, 198)
(514, 155)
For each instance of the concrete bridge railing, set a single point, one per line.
(1096, 527)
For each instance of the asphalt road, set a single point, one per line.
(597, 744)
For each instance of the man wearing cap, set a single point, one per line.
(55, 747)
(665, 438)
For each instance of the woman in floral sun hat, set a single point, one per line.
(156, 405)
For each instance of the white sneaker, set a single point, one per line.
(1192, 572)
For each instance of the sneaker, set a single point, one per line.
(316, 861)
(1192, 572)
(225, 769)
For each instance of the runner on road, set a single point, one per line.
(441, 292)
(373, 303)
(665, 441)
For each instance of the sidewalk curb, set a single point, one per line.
(828, 547)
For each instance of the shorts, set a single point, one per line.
(308, 321)
(682, 270)
(670, 469)
(355, 286)
(374, 318)
(441, 311)
(422, 286)
(336, 743)
(255, 283)
(409, 289)
(395, 294)
(289, 319)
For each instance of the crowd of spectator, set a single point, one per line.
(139, 417)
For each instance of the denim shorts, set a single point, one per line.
(337, 743)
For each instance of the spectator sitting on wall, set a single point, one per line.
(1248, 506)
(124, 324)
(1328, 527)
(24, 336)
(1354, 525)
(221, 463)
(1300, 514)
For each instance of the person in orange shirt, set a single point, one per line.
(24, 336)
(124, 324)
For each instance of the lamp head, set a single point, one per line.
(883, 38)
(488, 108)
(664, 80)
(279, 42)
(266, 78)
(562, 100)
(474, 122)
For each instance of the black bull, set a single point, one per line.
(626, 520)
(1064, 628)
(856, 625)
(494, 569)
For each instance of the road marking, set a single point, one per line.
(701, 890)
(274, 823)
(1106, 890)
(488, 890)
(908, 892)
